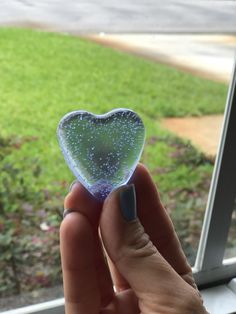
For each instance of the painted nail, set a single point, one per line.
(128, 202)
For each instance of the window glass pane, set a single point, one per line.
(230, 250)
(44, 76)
(187, 181)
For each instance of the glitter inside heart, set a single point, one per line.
(102, 150)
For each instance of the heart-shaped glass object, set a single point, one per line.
(102, 150)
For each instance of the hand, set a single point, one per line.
(146, 264)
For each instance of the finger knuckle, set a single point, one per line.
(138, 243)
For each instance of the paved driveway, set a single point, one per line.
(123, 16)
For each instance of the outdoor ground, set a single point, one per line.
(44, 76)
(93, 16)
(203, 132)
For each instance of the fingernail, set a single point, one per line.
(72, 184)
(128, 203)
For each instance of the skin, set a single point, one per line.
(142, 259)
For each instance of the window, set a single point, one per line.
(211, 267)
(230, 250)
(213, 264)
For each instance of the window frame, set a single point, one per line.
(210, 267)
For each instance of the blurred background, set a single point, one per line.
(170, 62)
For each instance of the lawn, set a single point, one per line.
(45, 75)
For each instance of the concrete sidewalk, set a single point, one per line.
(210, 56)
(204, 132)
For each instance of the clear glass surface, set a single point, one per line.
(44, 76)
(230, 250)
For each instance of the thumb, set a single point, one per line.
(130, 248)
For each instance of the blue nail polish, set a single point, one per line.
(128, 202)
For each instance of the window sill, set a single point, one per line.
(218, 300)
(51, 307)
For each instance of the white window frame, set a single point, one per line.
(51, 307)
(210, 268)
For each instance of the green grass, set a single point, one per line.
(42, 77)
(45, 75)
